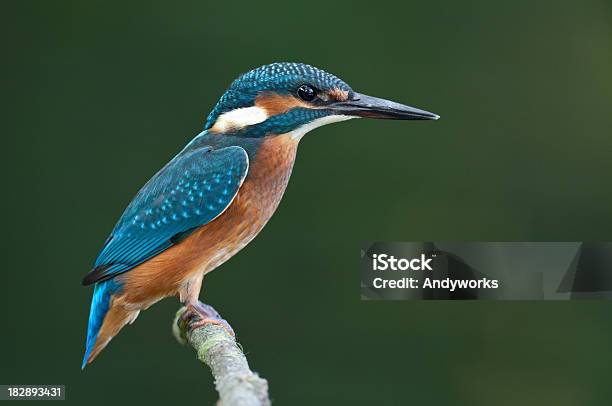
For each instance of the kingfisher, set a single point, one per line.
(217, 193)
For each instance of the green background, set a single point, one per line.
(97, 96)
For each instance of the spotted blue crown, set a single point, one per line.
(281, 78)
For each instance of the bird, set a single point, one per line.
(213, 197)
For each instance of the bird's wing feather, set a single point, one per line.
(190, 191)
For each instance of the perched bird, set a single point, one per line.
(216, 194)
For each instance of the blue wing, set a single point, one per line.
(190, 191)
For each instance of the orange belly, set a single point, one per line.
(179, 269)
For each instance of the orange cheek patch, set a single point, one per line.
(275, 103)
(338, 94)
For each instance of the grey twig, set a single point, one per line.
(236, 384)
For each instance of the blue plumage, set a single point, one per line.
(100, 303)
(191, 190)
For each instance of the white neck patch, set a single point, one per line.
(239, 118)
(247, 116)
(299, 132)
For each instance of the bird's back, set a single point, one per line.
(214, 243)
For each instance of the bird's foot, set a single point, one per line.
(200, 314)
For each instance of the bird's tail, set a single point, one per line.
(105, 319)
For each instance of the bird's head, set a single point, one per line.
(294, 98)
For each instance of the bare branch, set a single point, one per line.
(236, 384)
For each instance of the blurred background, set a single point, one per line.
(97, 96)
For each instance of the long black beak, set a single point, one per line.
(362, 105)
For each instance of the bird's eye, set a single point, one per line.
(307, 93)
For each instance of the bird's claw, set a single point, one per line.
(219, 322)
(200, 314)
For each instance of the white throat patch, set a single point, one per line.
(299, 132)
(239, 118)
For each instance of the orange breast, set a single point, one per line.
(216, 242)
